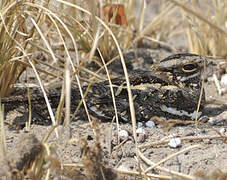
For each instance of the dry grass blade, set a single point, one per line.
(39, 69)
(67, 95)
(3, 146)
(47, 148)
(199, 102)
(162, 43)
(44, 39)
(28, 123)
(60, 108)
(141, 22)
(217, 83)
(112, 93)
(67, 84)
(46, 99)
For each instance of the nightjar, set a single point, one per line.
(171, 89)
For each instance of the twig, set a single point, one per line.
(183, 139)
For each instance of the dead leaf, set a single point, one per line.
(110, 10)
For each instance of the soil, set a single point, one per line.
(208, 156)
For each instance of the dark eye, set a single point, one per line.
(189, 67)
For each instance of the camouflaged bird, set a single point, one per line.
(171, 90)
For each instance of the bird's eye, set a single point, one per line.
(189, 67)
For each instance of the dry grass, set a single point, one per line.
(206, 22)
(71, 34)
(12, 35)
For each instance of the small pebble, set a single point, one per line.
(76, 160)
(210, 79)
(139, 124)
(174, 142)
(123, 134)
(207, 141)
(224, 80)
(140, 131)
(150, 124)
(222, 131)
(123, 168)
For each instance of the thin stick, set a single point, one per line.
(3, 145)
(198, 106)
(46, 98)
(183, 139)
